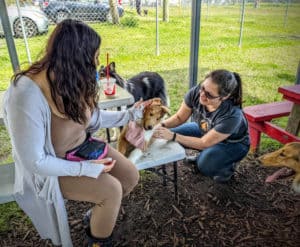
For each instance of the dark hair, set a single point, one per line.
(229, 83)
(70, 68)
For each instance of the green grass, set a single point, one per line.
(267, 59)
(11, 212)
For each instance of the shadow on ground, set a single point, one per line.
(244, 212)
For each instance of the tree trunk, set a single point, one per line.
(138, 6)
(298, 74)
(166, 10)
(114, 12)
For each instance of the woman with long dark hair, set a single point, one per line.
(218, 129)
(51, 108)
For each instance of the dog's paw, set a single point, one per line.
(135, 155)
(148, 135)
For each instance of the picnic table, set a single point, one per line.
(260, 116)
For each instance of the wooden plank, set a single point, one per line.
(291, 93)
(268, 111)
(279, 134)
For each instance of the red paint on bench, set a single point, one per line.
(266, 112)
(290, 93)
(258, 117)
(279, 134)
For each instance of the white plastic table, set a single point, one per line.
(158, 155)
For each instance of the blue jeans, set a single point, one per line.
(219, 159)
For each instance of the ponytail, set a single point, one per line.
(237, 94)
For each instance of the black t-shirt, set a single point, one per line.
(227, 119)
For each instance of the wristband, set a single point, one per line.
(174, 137)
(163, 124)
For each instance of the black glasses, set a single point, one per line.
(207, 94)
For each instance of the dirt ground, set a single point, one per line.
(244, 212)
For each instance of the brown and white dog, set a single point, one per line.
(287, 156)
(138, 134)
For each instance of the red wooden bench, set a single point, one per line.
(259, 117)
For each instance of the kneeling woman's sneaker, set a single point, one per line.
(98, 242)
(224, 178)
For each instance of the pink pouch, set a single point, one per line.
(91, 149)
(136, 135)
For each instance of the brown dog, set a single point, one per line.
(287, 156)
(153, 114)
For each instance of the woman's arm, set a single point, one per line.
(211, 138)
(180, 117)
(109, 119)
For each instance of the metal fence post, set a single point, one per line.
(157, 30)
(286, 12)
(24, 32)
(242, 23)
(195, 36)
(9, 37)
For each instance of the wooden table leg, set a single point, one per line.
(293, 125)
(107, 135)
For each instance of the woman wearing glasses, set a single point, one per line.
(218, 130)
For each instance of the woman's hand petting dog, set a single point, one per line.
(162, 133)
(107, 162)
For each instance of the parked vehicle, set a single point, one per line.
(85, 10)
(35, 21)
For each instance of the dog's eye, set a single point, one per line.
(151, 114)
(282, 154)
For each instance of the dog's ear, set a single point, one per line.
(293, 149)
(102, 71)
(165, 110)
(112, 67)
(298, 153)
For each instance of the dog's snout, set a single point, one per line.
(149, 127)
